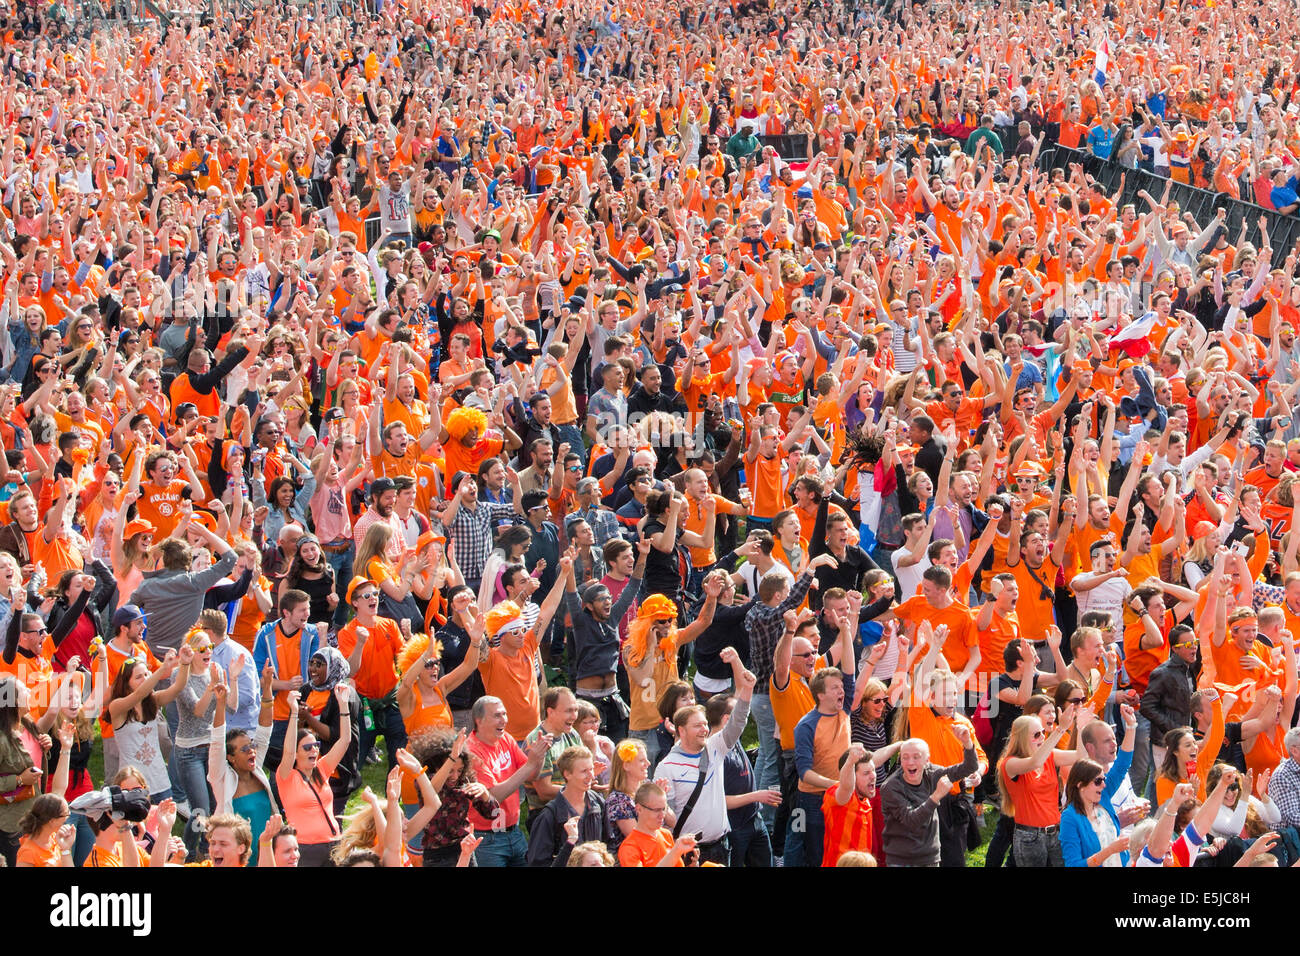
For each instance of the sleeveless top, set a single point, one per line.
(424, 718)
(138, 745)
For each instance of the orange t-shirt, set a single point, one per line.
(764, 475)
(513, 679)
(993, 642)
(1034, 610)
(378, 672)
(1035, 795)
(456, 457)
(645, 849)
(848, 827)
(30, 854)
(160, 505)
(962, 635)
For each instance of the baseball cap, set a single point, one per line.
(379, 486)
(126, 614)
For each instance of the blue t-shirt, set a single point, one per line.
(1284, 195)
(1100, 141)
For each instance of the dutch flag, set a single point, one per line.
(1102, 62)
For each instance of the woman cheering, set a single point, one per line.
(303, 779)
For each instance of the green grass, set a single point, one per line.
(976, 857)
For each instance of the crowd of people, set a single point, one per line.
(483, 396)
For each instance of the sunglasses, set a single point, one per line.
(41, 630)
(1097, 781)
(368, 596)
(808, 654)
(1077, 701)
(314, 745)
(247, 749)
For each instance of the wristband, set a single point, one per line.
(267, 701)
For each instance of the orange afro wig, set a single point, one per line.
(465, 420)
(654, 608)
(414, 648)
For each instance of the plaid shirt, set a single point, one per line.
(471, 533)
(765, 626)
(604, 526)
(1284, 788)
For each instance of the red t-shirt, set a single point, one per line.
(494, 764)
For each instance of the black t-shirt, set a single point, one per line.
(348, 775)
(456, 643)
(662, 570)
(1003, 714)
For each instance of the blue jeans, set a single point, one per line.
(573, 435)
(803, 841)
(1137, 773)
(85, 838)
(750, 845)
(173, 717)
(765, 770)
(502, 847)
(191, 766)
(341, 562)
(416, 843)
(650, 738)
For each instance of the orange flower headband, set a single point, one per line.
(414, 648)
(627, 751)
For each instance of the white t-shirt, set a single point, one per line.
(395, 209)
(749, 572)
(909, 578)
(1108, 596)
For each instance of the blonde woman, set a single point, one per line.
(629, 769)
(395, 579)
(594, 853)
(1030, 787)
(297, 427)
(368, 828)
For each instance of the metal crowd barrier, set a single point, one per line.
(1201, 203)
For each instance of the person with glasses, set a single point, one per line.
(1090, 829)
(134, 706)
(47, 837)
(196, 704)
(650, 843)
(1028, 781)
(239, 782)
(372, 644)
(303, 782)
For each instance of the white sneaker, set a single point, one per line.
(183, 809)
